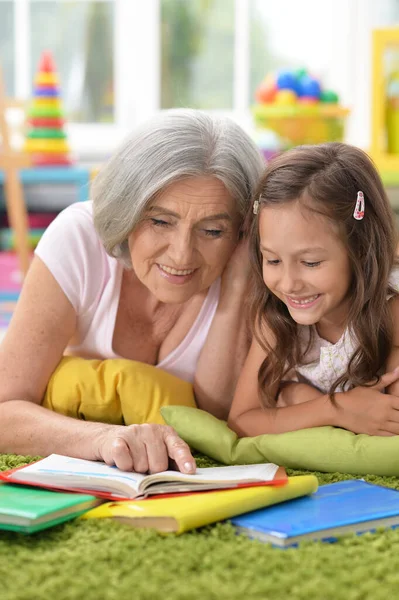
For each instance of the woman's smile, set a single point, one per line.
(176, 276)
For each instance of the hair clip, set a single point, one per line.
(358, 213)
(256, 207)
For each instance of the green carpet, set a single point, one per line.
(96, 560)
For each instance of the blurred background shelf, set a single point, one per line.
(52, 188)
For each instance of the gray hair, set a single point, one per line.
(174, 145)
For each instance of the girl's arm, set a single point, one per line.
(248, 418)
(361, 410)
(292, 392)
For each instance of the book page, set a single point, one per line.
(234, 474)
(64, 470)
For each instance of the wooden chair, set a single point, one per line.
(10, 163)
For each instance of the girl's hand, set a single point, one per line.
(368, 410)
(144, 448)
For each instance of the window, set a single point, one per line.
(80, 36)
(7, 44)
(122, 60)
(197, 54)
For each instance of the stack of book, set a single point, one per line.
(261, 501)
(179, 501)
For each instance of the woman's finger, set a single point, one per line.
(138, 449)
(179, 451)
(120, 454)
(157, 453)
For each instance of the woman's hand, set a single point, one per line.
(368, 410)
(236, 273)
(145, 448)
(228, 339)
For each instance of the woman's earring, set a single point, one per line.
(358, 213)
(256, 207)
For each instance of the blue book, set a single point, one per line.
(352, 506)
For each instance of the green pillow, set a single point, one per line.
(327, 449)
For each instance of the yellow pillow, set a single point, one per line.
(116, 391)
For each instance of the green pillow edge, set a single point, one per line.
(325, 449)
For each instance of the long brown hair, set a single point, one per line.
(330, 175)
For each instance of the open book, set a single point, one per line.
(75, 474)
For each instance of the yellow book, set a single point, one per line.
(182, 513)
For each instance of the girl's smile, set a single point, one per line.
(303, 302)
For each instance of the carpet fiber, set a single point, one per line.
(96, 560)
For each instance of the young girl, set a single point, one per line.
(325, 307)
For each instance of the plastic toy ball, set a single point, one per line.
(270, 80)
(307, 100)
(295, 106)
(286, 97)
(286, 80)
(300, 73)
(309, 87)
(265, 93)
(328, 96)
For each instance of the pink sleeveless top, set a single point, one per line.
(91, 280)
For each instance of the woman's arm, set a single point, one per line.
(42, 325)
(222, 357)
(228, 340)
(393, 360)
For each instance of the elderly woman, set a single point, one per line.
(151, 270)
